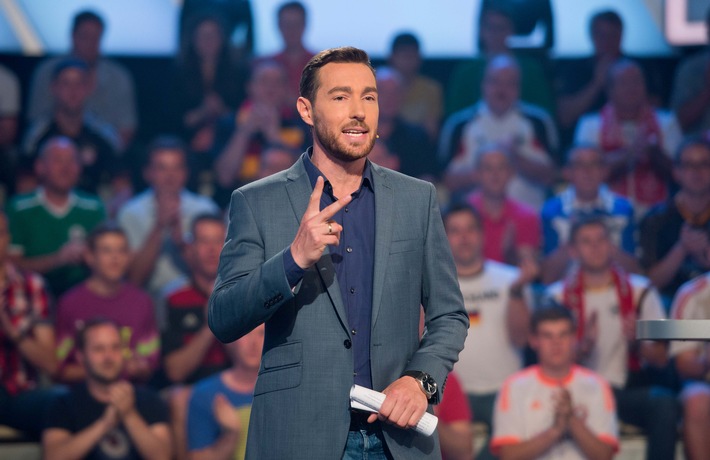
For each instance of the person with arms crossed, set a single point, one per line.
(327, 276)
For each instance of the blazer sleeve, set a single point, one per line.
(249, 288)
(446, 321)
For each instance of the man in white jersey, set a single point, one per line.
(606, 302)
(555, 409)
(496, 298)
(692, 359)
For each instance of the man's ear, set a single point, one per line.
(305, 110)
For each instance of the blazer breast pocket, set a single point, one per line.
(405, 245)
(281, 368)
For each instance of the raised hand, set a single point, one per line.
(317, 230)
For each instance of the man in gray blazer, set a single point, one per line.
(339, 279)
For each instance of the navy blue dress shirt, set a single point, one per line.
(354, 262)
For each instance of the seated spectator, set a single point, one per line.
(454, 427)
(675, 235)
(49, 225)
(105, 416)
(581, 83)
(97, 142)
(293, 57)
(220, 406)
(106, 294)
(495, 27)
(690, 99)
(512, 229)
(156, 220)
(422, 100)
(9, 122)
(112, 98)
(607, 302)
(585, 195)
(190, 350)
(26, 343)
(555, 409)
(409, 142)
(691, 358)
(208, 84)
(497, 300)
(499, 117)
(276, 159)
(265, 119)
(638, 140)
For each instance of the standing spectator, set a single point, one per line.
(190, 350)
(690, 99)
(496, 298)
(638, 140)
(409, 142)
(208, 84)
(422, 100)
(586, 195)
(692, 302)
(454, 427)
(512, 229)
(105, 416)
(220, 406)
(607, 302)
(9, 122)
(112, 97)
(675, 235)
(97, 142)
(294, 56)
(500, 117)
(49, 225)
(26, 342)
(495, 28)
(106, 294)
(156, 220)
(555, 409)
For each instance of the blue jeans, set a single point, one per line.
(366, 445)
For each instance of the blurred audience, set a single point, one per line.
(408, 142)
(555, 409)
(97, 141)
(106, 294)
(110, 85)
(585, 195)
(9, 128)
(49, 225)
(497, 298)
(276, 159)
(220, 406)
(422, 97)
(27, 349)
(454, 427)
(692, 302)
(675, 235)
(638, 140)
(157, 219)
(528, 132)
(106, 416)
(495, 27)
(606, 302)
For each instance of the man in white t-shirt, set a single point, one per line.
(692, 360)
(496, 298)
(607, 301)
(556, 409)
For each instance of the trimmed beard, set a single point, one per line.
(339, 150)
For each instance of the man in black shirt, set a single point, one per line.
(106, 417)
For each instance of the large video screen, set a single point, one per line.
(446, 28)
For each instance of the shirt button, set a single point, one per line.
(353, 332)
(349, 249)
(347, 344)
(347, 209)
(352, 290)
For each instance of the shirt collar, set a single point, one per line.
(313, 173)
(56, 211)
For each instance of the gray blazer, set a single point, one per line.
(301, 399)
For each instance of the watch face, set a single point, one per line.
(429, 385)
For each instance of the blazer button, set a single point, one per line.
(347, 344)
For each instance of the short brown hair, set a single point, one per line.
(346, 54)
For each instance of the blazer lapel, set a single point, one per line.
(299, 191)
(384, 207)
